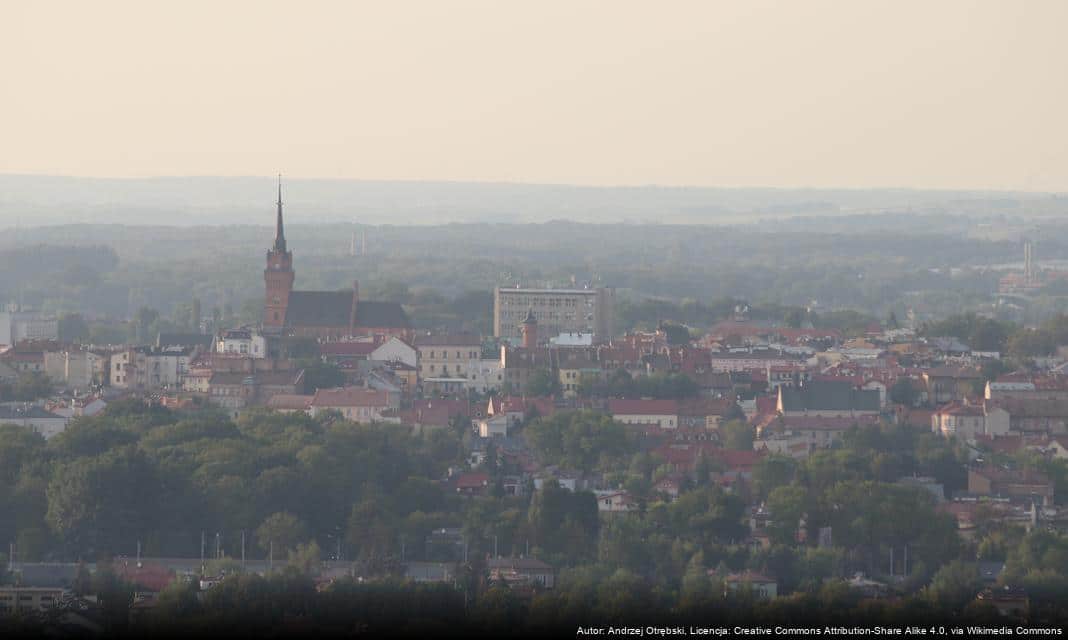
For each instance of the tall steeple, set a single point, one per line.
(278, 276)
(279, 231)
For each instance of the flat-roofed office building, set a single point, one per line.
(556, 310)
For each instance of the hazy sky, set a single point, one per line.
(788, 93)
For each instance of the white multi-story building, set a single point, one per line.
(241, 342)
(16, 325)
(557, 311)
(149, 368)
(484, 375)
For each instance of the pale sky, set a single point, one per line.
(790, 93)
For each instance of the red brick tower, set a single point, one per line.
(278, 276)
(529, 328)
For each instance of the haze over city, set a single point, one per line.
(955, 94)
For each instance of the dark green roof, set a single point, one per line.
(183, 340)
(822, 395)
(332, 309)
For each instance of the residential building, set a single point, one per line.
(485, 375)
(27, 599)
(290, 403)
(239, 389)
(396, 350)
(759, 584)
(946, 384)
(1035, 416)
(246, 342)
(615, 501)
(521, 571)
(142, 368)
(1017, 484)
(970, 420)
(663, 414)
(814, 431)
(34, 418)
(574, 364)
(355, 403)
(825, 398)
(447, 356)
(76, 368)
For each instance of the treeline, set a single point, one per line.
(304, 489)
(287, 603)
(446, 274)
(1016, 342)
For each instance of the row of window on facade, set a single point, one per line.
(445, 354)
(528, 301)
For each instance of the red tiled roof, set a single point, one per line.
(455, 340)
(351, 397)
(149, 576)
(471, 480)
(347, 348)
(289, 401)
(643, 407)
(767, 405)
(705, 406)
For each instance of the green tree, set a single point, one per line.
(787, 506)
(954, 585)
(542, 383)
(284, 530)
(72, 327)
(773, 472)
(305, 557)
(676, 333)
(737, 435)
(903, 392)
(104, 502)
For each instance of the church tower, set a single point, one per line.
(278, 276)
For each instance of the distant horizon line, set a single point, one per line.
(575, 185)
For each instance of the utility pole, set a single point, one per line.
(202, 542)
(495, 554)
(270, 557)
(218, 545)
(138, 554)
(242, 548)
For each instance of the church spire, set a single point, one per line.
(279, 232)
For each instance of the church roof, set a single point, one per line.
(332, 308)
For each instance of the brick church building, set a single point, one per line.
(328, 315)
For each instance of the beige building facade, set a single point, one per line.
(557, 311)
